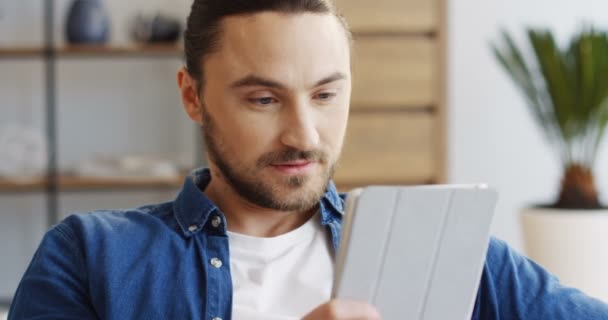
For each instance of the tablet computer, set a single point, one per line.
(415, 252)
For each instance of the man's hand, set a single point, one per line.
(344, 310)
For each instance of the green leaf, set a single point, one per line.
(566, 90)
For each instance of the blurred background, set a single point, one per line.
(90, 116)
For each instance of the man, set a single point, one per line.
(253, 236)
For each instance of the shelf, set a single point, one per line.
(74, 183)
(35, 184)
(84, 183)
(144, 50)
(24, 52)
(124, 51)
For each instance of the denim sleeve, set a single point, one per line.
(54, 285)
(515, 287)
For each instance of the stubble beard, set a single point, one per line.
(301, 194)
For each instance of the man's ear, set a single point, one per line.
(190, 95)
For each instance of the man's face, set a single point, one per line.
(275, 105)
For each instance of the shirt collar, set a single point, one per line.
(193, 208)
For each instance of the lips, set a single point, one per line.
(292, 163)
(294, 167)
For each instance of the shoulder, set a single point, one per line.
(504, 282)
(101, 223)
(515, 287)
(506, 265)
(500, 252)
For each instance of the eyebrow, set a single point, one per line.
(253, 80)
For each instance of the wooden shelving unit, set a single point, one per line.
(120, 51)
(135, 50)
(71, 183)
(75, 183)
(24, 52)
(29, 185)
(53, 182)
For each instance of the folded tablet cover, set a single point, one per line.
(415, 252)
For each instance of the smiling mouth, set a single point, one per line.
(294, 167)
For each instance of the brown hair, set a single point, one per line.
(203, 31)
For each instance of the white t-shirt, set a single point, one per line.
(283, 277)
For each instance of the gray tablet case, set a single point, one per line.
(415, 252)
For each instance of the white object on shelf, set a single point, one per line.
(128, 167)
(23, 153)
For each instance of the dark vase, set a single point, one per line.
(88, 22)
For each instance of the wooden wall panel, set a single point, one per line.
(394, 73)
(390, 15)
(393, 148)
(398, 73)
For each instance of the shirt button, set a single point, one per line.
(193, 228)
(216, 262)
(217, 318)
(216, 221)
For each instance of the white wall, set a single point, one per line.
(491, 134)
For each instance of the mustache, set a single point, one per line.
(292, 154)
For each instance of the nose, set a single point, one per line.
(300, 127)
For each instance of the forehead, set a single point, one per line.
(291, 48)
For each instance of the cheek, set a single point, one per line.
(246, 134)
(252, 134)
(333, 129)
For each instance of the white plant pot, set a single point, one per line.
(570, 244)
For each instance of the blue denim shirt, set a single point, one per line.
(171, 261)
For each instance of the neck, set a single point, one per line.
(247, 218)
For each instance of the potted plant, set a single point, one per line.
(566, 90)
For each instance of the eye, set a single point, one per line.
(263, 101)
(325, 96)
